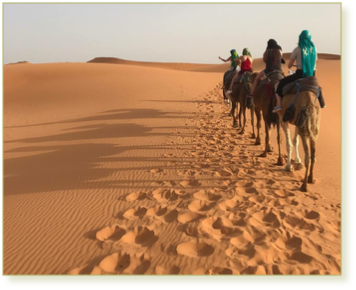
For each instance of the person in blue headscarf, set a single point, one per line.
(234, 59)
(231, 58)
(305, 54)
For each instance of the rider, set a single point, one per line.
(306, 55)
(246, 63)
(273, 57)
(231, 58)
(234, 64)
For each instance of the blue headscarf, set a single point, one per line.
(308, 52)
(234, 53)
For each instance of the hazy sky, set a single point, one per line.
(196, 33)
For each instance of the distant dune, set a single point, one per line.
(19, 62)
(258, 63)
(165, 65)
(327, 56)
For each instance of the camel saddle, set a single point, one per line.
(228, 76)
(305, 84)
(272, 77)
(244, 78)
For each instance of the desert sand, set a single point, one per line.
(122, 167)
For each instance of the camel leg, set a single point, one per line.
(279, 141)
(259, 117)
(232, 112)
(268, 133)
(298, 161)
(267, 130)
(313, 159)
(243, 108)
(253, 121)
(306, 162)
(286, 130)
(240, 114)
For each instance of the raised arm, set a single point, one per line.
(225, 60)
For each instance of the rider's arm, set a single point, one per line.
(291, 62)
(225, 60)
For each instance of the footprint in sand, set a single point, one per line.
(114, 233)
(223, 173)
(136, 196)
(188, 173)
(288, 243)
(190, 183)
(123, 263)
(195, 249)
(217, 227)
(300, 223)
(188, 217)
(230, 204)
(220, 271)
(156, 170)
(160, 270)
(165, 195)
(312, 215)
(162, 214)
(201, 205)
(265, 218)
(208, 196)
(140, 237)
(135, 213)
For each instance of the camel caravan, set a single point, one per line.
(281, 100)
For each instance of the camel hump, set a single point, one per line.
(310, 84)
(272, 77)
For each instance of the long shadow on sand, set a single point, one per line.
(119, 114)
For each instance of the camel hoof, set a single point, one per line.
(311, 180)
(288, 168)
(253, 136)
(270, 149)
(264, 154)
(280, 161)
(298, 166)
(242, 132)
(304, 188)
(258, 142)
(235, 125)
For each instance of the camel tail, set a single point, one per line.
(313, 123)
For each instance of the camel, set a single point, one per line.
(240, 89)
(263, 100)
(228, 76)
(308, 131)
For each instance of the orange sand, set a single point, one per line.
(135, 168)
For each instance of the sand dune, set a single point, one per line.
(135, 169)
(168, 65)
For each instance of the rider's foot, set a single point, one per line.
(276, 109)
(229, 92)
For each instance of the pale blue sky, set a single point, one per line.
(196, 33)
